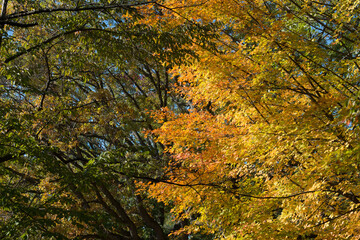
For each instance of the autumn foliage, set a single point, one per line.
(269, 148)
(207, 119)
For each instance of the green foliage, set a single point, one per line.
(78, 81)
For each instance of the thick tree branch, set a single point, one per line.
(90, 7)
(150, 221)
(6, 158)
(17, 24)
(121, 211)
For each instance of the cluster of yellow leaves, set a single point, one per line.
(265, 153)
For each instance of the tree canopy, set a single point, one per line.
(179, 119)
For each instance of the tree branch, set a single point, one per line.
(90, 7)
(17, 24)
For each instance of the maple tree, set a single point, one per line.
(269, 148)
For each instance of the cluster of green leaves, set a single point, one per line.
(78, 82)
